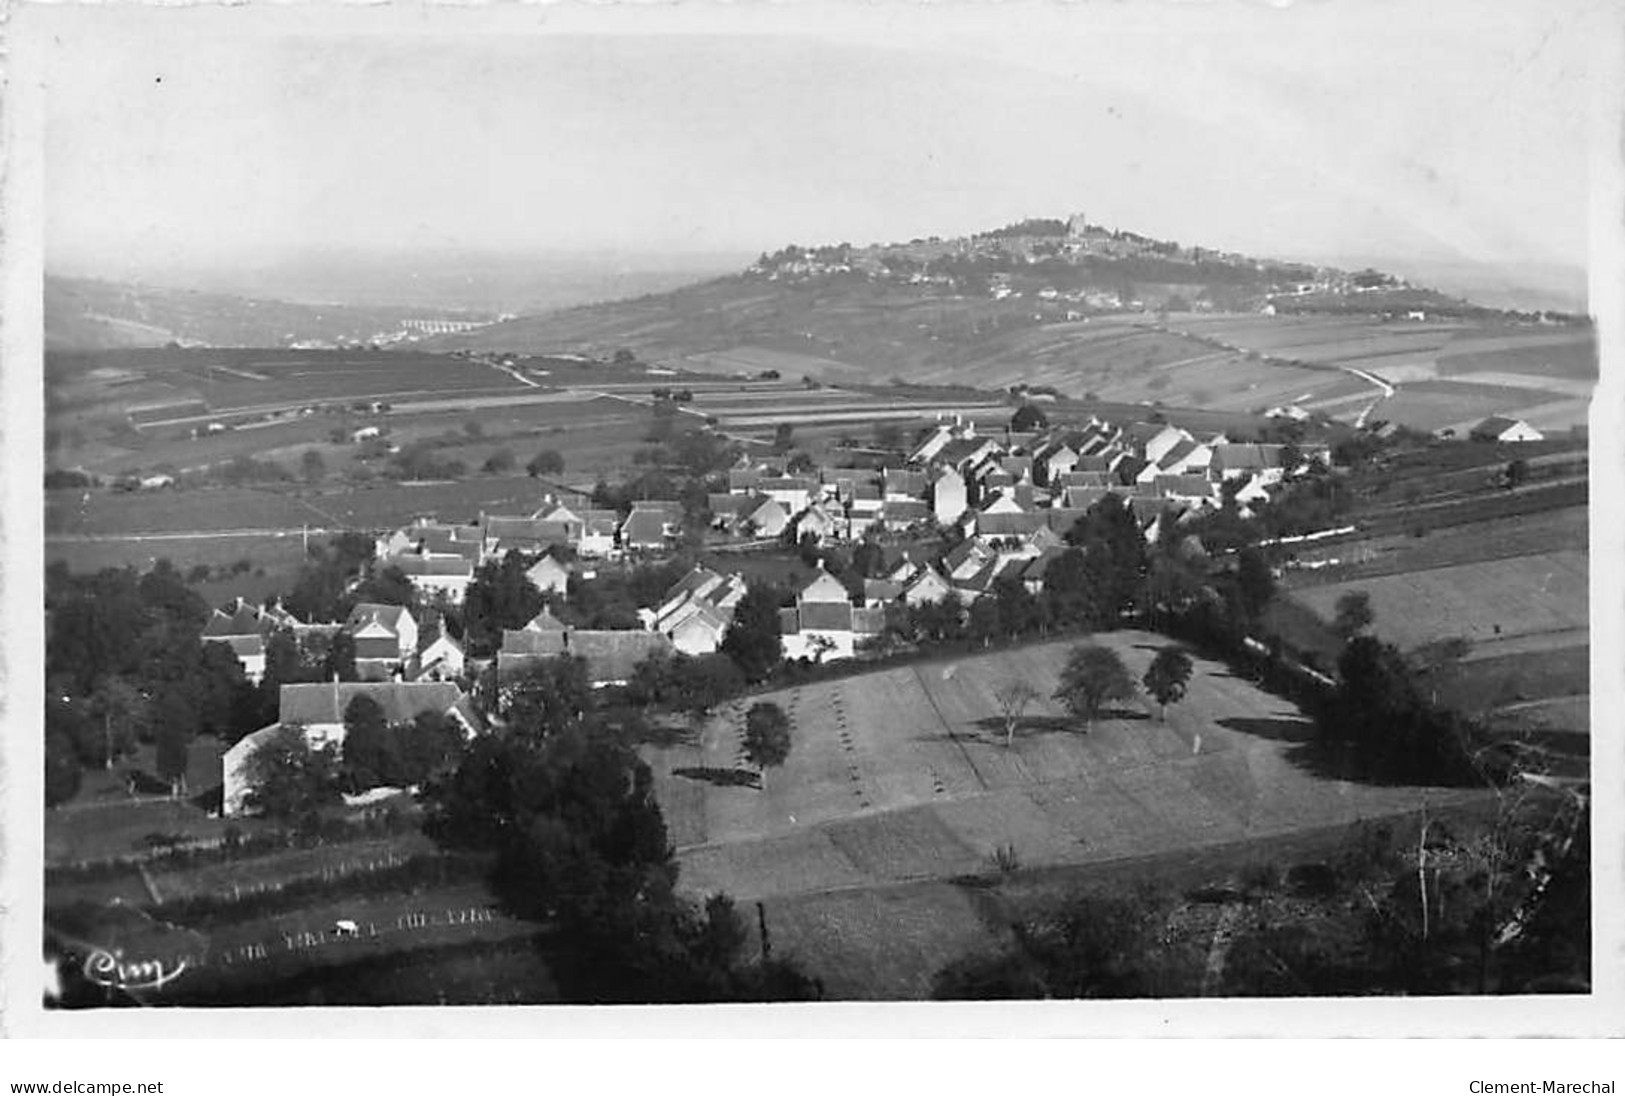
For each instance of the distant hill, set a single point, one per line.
(982, 309)
(89, 314)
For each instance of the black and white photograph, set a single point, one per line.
(760, 504)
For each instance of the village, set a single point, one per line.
(962, 512)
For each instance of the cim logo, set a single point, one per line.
(109, 968)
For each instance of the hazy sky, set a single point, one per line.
(1321, 129)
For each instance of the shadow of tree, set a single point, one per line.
(1327, 760)
(1055, 724)
(1276, 730)
(722, 778)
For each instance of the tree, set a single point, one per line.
(369, 758)
(1093, 675)
(549, 462)
(500, 597)
(473, 428)
(62, 773)
(753, 639)
(984, 621)
(174, 751)
(1028, 417)
(1167, 677)
(1517, 472)
(1069, 591)
(385, 586)
(1353, 615)
(700, 684)
(767, 737)
(782, 437)
(1254, 582)
(312, 466)
(288, 778)
(499, 463)
(123, 714)
(555, 693)
(1013, 697)
(425, 747)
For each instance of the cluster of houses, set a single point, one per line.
(1008, 485)
(440, 558)
(390, 643)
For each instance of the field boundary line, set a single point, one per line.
(963, 752)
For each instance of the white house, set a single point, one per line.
(1500, 428)
(438, 576)
(1163, 440)
(549, 576)
(440, 657)
(948, 498)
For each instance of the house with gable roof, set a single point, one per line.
(439, 656)
(824, 624)
(244, 631)
(1503, 429)
(386, 640)
(549, 575)
(598, 530)
(768, 519)
(318, 709)
(948, 496)
(610, 654)
(652, 526)
(695, 613)
(437, 576)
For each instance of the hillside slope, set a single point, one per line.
(88, 314)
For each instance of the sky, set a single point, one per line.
(190, 136)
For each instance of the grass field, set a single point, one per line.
(898, 782)
(902, 775)
(1505, 598)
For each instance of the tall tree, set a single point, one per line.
(124, 716)
(752, 639)
(702, 683)
(1353, 615)
(767, 737)
(553, 694)
(369, 758)
(1167, 678)
(1092, 676)
(1254, 582)
(499, 597)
